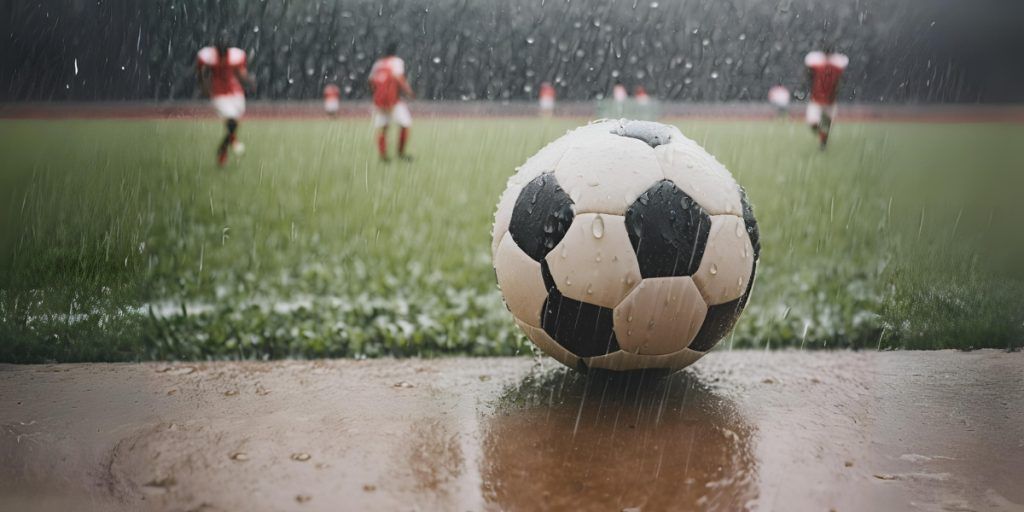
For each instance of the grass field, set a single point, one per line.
(120, 240)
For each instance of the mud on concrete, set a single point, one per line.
(739, 430)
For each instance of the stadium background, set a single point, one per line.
(918, 51)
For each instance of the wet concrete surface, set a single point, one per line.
(738, 430)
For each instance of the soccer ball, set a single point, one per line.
(624, 245)
(238, 147)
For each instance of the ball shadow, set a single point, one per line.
(607, 441)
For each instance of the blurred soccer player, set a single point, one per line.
(779, 97)
(221, 70)
(641, 96)
(824, 70)
(547, 98)
(620, 95)
(332, 99)
(387, 80)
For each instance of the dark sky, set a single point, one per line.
(705, 50)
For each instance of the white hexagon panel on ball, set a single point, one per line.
(660, 316)
(520, 280)
(605, 172)
(728, 261)
(594, 262)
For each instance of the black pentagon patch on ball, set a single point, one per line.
(541, 216)
(721, 319)
(581, 328)
(668, 231)
(751, 224)
(651, 133)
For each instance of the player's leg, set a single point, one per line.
(813, 116)
(382, 143)
(827, 117)
(229, 139)
(404, 120)
(380, 123)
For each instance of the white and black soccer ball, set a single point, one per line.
(624, 245)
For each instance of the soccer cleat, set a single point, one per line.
(222, 156)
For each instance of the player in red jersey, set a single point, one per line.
(547, 98)
(221, 70)
(332, 99)
(641, 96)
(387, 81)
(824, 70)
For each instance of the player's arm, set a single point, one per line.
(406, 90)
(247, 80)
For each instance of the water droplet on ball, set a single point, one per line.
(598, 227)
(714, 269)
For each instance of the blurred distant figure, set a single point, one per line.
(620, 95)
(332, 99)
(221, 70)
(547, 98)
(779, 97)
(387, 80)
(641, 96)
(824, 71)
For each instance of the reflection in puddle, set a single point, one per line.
(610, 442)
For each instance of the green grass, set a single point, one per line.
(120, 240)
